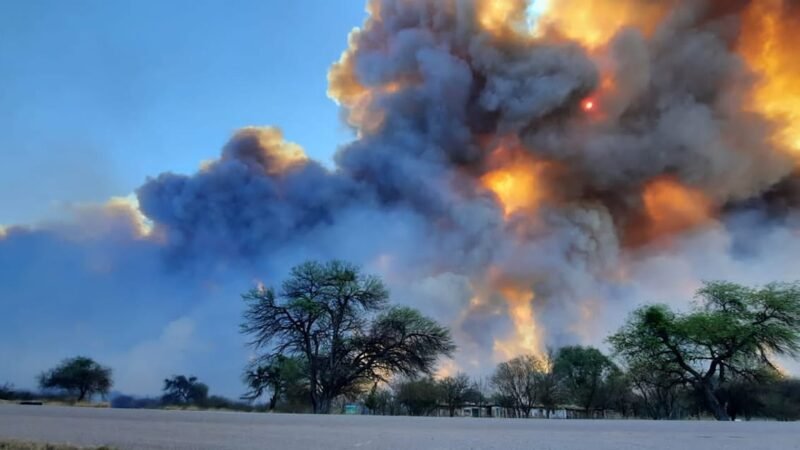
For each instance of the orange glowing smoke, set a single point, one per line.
(594, 22)
(672, 207)
(500, 17)
(770, 34)
(527, 336)
(517, 186)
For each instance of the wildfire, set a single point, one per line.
(770, 32)
(594, 22)
(500, 16)
(526, 338)
(588, 105)
(672, 207)
(517, 182)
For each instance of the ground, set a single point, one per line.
(145, 429)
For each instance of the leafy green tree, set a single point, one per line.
(281, 377)
(584, 372)
(733, 330)
(517, 383)
(182, 390)
(455, 392)
(81, 377)
(340, 323)
(419, 397)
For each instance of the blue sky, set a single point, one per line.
(98, 95)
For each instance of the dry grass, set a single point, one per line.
(20, 445)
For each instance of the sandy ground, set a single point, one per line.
(142, 429)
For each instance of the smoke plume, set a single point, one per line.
(527, 177)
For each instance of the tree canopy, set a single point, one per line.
(586, 374)
(339, 322)
(419, 397)
(283, 377)
(183, 390)
(81, 377)
(732, 331)
(455, 391)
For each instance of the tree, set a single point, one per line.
(180, 390)
(479, 391)
(517, 382)
(659, 392)
(340, 323)
(731, 331)
(455, 391)
(282, 377)
(781, 400)
(550, 390)
(616, 393)
(81, 377)
(584, 372)
(381, 401)
(420, 397)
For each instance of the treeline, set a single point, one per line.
(582, 379)
(329, 337)
(81, 379)
(592, 387)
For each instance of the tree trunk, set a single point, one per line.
(273, 401)
(713, 403)
(323, 405)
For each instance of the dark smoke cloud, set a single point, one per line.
(430, 94)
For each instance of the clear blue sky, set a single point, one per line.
(96, 95)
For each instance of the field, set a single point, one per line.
(146, 429)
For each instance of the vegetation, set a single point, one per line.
(587, 376)
(284, 378)
(330, 338)
(182, 390)
(455, 392)
(80, 377)
(418, 397)
(339, 323)
(731, 334)
(517, 383)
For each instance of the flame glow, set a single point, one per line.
(672, 207)
(594, 22)
(500, 16)
(516, 187)
(526, 338)
(768, 44)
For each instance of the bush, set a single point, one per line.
(130, 402)
(7, 392)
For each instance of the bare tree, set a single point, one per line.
(454, 391)
(518, 381)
